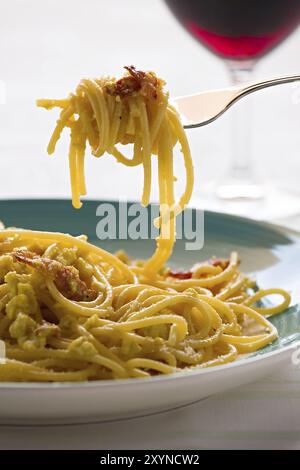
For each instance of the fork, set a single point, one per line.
(205, 107)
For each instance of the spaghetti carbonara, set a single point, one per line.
(71, 311)
(134, 109)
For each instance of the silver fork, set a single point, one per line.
(205, 107)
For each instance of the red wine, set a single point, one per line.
(238, 29)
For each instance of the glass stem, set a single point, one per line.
(240, 180)
(241, 127)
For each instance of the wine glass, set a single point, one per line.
(241, 32)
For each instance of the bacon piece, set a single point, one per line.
(139, 75)
(137, 80)
(182, 275)
(123, 87)
(222, 262)
(66, 278)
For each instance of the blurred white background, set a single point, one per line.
(47, 46)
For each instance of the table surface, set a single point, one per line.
(42, 50)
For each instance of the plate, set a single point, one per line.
(267, 251)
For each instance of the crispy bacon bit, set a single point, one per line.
(139, 75)
(123, 87)
(222, 262)
(66, 278)
(136, 80)
(182, 275)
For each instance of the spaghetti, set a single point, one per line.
(71, 311)
(135, 109)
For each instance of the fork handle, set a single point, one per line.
(251, 87)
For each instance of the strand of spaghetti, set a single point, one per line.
(81, 146)
(149, 296)
(224, 310)
(101, 348)
(124, 122)
(157, 320)
(50, 104)
(166, 356)
(169, 168)
(146, 152)
(206, 319)
(181, 285)
(196, 342)
(150, 364)
(200, 270)
(230, 356)
(134, 307)
(188, 162)
(14, 370)
(109, 292)
(73, 167)
(73, 307)
(269, 310)
(104, 351)
(61, 123)
(191, 358)
(251, 343)
(115, 126)
(82, 109)
(65, 354)
(110, 104)
(115, 333)
(231, 288)
(95, 95)
(59, 363)
(131, 124)
(166, 238)
(122, 294)
(159, 115)
(134, 161)
(168, 303)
